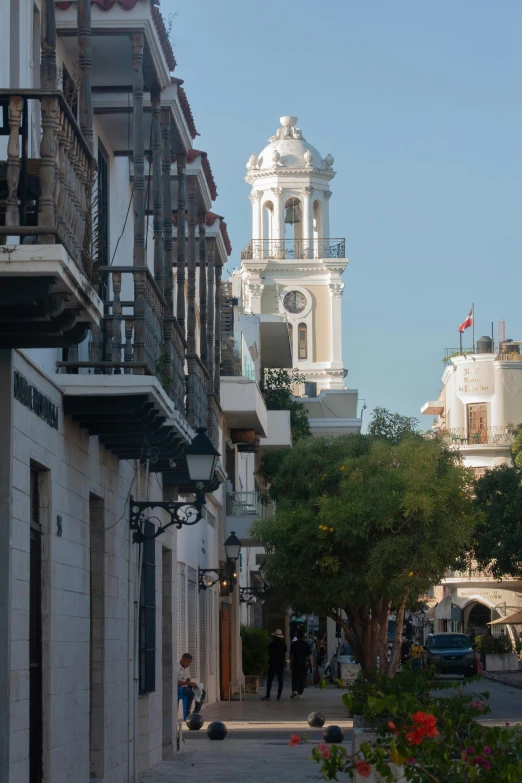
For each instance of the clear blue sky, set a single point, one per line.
(420, 103)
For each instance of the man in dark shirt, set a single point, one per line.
(300, 663)
(276, 664)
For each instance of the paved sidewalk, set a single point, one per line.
(256, 748)
(514, 679)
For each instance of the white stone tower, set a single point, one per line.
(292, 266)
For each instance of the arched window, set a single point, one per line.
(318, 220)
(293, 223)
(302, 341)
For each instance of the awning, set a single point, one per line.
(443, 609)
(431, 613)
(510, 619)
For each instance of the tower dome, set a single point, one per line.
(288, 149)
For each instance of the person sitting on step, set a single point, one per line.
(190, 689)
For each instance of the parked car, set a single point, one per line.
(343, 654)
(451, 653)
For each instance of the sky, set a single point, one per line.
(420, 103)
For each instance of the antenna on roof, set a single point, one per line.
(501, 331)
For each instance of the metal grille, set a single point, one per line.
(203, 640)
(192, 619)
(147, 629)
(182, 610)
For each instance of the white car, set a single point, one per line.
(343, 654)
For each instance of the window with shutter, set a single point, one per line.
(147, 620)
(182, 610)
(192, 619)
(203, 642)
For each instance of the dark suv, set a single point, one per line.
(451, 653)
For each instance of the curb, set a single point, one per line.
(503, 680)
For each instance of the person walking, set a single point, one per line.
(417, 654)
(276, 664)
(405, 649)
(300, 664)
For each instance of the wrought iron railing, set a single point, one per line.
(294, 248)
(509, 356)
(213, 419)
(48, 197)
(244, 504)
(488, 436)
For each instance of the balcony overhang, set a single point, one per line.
(130, 414)
(243, 404)
(276, 349)
(433, 408)
(46, 300)
(279, 434)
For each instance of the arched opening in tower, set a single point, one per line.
(293, 224)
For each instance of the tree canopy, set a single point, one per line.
(392, 426)
(364, 523)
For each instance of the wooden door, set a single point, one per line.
(478, 423)
(225, 651)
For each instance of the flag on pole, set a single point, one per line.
(468, 321)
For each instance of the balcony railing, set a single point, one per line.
(294, 249)
(197, 392)
(470, 574)
(489, 436)
(48, 197)
(244, 504)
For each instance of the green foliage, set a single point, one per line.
(362, 522)
(392, 426)
(255, 650)
(429, 735)
(162, 372)
(494, 645)
(277, 392)
(497, 540)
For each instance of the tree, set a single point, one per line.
(497, 540)
(391, 426)
(363, 523)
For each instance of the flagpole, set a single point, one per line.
(473, 324)
(460, 335)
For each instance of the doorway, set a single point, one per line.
(478, 618)
(225, 651)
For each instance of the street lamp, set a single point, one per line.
(208, 577)
(201, 456)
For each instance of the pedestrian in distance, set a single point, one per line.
(417, 654)
(276, 664)
(405, 649)
(300, 664)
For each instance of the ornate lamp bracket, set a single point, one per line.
(181, 513)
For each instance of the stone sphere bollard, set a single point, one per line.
(195, 721)
(333, 734)
(216, 730)
(316, 720)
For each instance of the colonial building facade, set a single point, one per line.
(477, 409)
(110, 361)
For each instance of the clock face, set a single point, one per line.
(295, 302)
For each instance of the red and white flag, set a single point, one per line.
(467, 322)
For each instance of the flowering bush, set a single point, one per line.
(433, 737)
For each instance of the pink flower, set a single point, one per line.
(295, 739)
(486, 750)
(471, 749)
(486, 764)
(322, 746)
(478, 705)
(411, 760)
(507, 723)
(326, 753)
(363, 768)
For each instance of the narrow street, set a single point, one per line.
(256, 747)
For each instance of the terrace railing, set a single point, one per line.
(294, 249)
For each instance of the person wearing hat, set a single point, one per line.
(276, 664)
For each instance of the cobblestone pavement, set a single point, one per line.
(256, 748)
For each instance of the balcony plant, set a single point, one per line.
(497, 653)
(255, 643)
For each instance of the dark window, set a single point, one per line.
(147, 630)
(302, 341)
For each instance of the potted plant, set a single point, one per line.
(497, 653)
(255, 656)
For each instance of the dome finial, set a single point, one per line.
(288, 121)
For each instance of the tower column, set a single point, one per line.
(308, 215)
(336, 292)
(278, 226)
(255, 199)
(326, 215)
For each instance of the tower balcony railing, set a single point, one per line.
(294, 249)
(487, 436)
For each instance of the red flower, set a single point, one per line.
(363, 768)
(415, 736)
(295, 739)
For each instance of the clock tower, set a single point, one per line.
(292, 266)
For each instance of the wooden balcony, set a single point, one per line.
(47, 297)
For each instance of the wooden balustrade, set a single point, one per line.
(197, 391)
(60, 181)
(213, 419)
